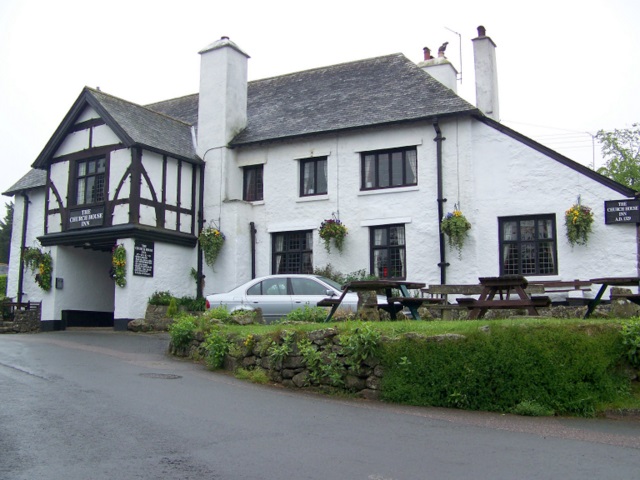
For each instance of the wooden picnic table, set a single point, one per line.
(394, 303)
(504, 292)
(606, 282)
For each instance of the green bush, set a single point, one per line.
(160, 298)
(566, 370)
(3, 286)
(182, 331)
(218, 313)
(172, 310)
(216, 346)
(631, 341)
(307, 314)
(192, 304)
(361, 343)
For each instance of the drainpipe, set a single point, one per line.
(200, 275)
(253, 231)
(443, 260)
(23, 244)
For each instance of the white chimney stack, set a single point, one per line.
(484, 53)
(222, 105)
(440, 68)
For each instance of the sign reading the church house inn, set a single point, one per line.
(143, 259)
(86, 217)
(621, 211)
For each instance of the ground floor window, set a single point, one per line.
(388, 254)
(292, 252)
(528, 245)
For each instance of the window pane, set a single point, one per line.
(396, 236)
(81, 191)
(308, 178)
(411, 167)
(384, 179)
(369, 171)
(545, 229)
(274, 286)
(510, 231)
(380, 237)
(82, 169)
(91, 167)
(306, 286)
(255, 290)
(511, 265)
(528, 258)
(293, 252)
(545, 258)
(397, 167)
(527, 230)
(321, 177)
(381, 263)
(91, 191)
(101, 165)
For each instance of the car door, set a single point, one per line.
(272, 296)
(307, 291)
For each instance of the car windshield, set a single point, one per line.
(333, 283)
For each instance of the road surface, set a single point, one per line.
(97, 404)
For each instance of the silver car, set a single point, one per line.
(277, 295)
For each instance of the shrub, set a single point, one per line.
(173, 311)
(362, 343)
(182, 331)
(257, 375)
(3, 285)
(160, 298)
(219, 313)
(216, 346)
(557, 368)
(631, 341)
(307, 314)
(193, 304)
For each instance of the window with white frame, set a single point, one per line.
(388, 251)
(528, 245)
(389, 168)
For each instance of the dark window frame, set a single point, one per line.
(253, 192)
(294, 254)
(315, 162)
(383, 161)
(97, 196)
(544, 261)
(392, 251)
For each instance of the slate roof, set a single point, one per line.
(363, 93)
(32, 179)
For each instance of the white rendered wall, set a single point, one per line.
(171, 272)
(35, 228)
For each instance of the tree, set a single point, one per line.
(5, 233)
(621, 149)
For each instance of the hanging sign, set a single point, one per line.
(86, 217)
(621, 211)
(143, 259)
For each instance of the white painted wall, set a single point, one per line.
(172, 272)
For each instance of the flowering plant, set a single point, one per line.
(39, 261)
(119, 265)
(578, 220)
(456, 227)
(211, 241)
(333, 228)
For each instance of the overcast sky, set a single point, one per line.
(566, 68)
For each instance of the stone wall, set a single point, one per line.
(24, 321)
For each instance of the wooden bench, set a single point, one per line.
(505, 304)
(554, 286)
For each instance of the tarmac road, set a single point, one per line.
(98, 404)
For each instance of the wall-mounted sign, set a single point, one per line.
(621, 211)
(86, 217)
(143, 259)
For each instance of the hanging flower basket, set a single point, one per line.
(456, 227)
(40, 262)
(119, 265)
(333, 228)
(578, 220)
(211, 241)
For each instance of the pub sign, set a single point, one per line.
(86, 217)
(143, 259)
(621, 211)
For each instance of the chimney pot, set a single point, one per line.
(224, 38)
(482, 32)
(427, 53)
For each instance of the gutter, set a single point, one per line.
(23, 242)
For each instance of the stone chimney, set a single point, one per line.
(440, 68)
(222, 105)
(484, 53)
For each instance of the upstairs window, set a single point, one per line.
(90, 177)
(389, 168)
(388, 253)
(313, 176)
(252, 190)
(528, 245)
